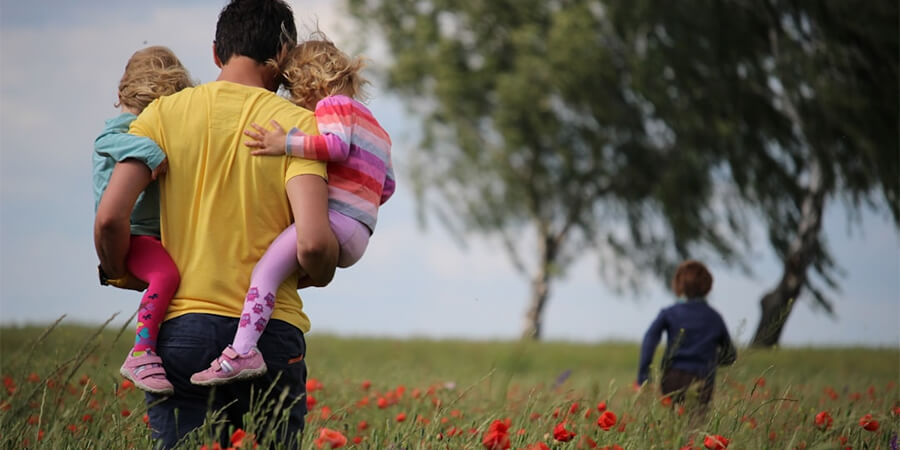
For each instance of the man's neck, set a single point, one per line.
(245, 70)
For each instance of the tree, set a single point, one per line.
(531, 131)
(794, 96)
(637, 130)
(836, 65)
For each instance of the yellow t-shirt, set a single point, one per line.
(220, 206)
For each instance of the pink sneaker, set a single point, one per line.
(231, 366)
(147, 373)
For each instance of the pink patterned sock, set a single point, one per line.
(279, 261)
(149, 261)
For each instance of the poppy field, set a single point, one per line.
(61, 389)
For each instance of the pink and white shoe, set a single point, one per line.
(231, 366)
(147, 373)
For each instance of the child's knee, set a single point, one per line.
(165, 279)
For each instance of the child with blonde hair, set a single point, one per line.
(322, 78)
(150, 73)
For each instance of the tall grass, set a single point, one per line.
(62, 390)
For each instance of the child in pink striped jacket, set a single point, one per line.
(360, 179)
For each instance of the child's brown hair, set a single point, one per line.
(151, 73)
(316, 69)
(692, 280)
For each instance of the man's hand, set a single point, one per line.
(128, 281)
(160, 170)
(268, 142)
(304, 282)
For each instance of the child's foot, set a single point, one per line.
(231, 366)
(147, 373)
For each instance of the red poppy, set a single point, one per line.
(382, 403)
(823, 420)
(400, 417)
(538, 446)
(357, 439)
(313, 384)
(607, 420)
(497, 435)
(310, 402)
(362, 425)
(561, 434)
(237, 438)
(34, 378)
(127, 385)
(715, 442)
(601, 406)
(331, 438)
(868, 423)
(366, 385)
(666, 401)
(574, 408)
(126, 413)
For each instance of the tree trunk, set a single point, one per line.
(540, 287)
(540, 290)
(778, 303)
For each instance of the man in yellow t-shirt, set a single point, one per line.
(220, 208)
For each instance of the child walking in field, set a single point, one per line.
(697, 340)
(319, 77)
(150, 73)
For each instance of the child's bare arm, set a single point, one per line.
(266, 142)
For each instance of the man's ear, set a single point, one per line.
(216, 56)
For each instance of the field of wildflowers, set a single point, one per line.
(61, 389)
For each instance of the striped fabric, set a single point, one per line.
(358, 152)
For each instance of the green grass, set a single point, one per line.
(63, 387)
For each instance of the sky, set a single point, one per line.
(60, 63)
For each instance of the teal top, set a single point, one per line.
(114, 145)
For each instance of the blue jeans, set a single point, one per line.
(188, 343)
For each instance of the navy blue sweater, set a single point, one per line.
(696, 340)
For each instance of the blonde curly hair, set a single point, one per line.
(151, 73)
(316, 69)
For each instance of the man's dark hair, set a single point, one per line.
(254, 28)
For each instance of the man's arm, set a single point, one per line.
(317, 248)
(112, 225)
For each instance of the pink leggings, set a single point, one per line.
(149, 261)
(279, 261)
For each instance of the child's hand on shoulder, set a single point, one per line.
(266, 142)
